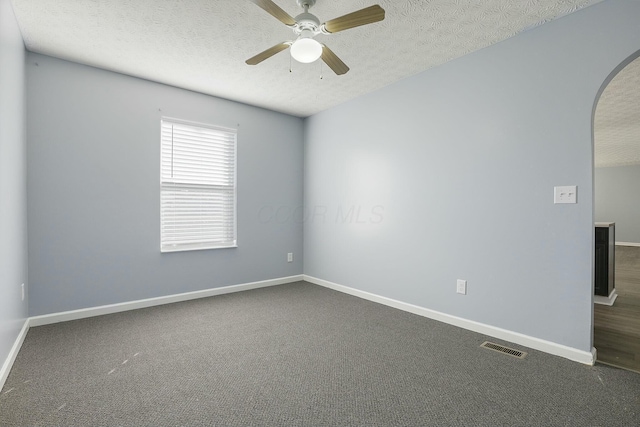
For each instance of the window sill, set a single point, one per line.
(197, 248)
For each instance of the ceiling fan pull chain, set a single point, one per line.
(321, 76)
(290, 63)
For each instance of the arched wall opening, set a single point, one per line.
(616, 172)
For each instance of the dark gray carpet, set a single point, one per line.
(297, 354)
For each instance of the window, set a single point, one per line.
(197, 186)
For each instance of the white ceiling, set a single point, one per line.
(617, 120)
(201, 45)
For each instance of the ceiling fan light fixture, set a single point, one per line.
(306, 50)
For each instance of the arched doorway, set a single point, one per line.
(616, 132)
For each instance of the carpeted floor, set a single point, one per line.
(297, 354)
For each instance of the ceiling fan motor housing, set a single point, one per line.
(307, 22)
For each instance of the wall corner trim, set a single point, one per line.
(585, 357)
(599, 299)
(47, 319)
(13, 353)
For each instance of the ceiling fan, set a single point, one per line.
(306, 26)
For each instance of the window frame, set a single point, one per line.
(166, 248)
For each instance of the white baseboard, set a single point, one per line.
(515, 337)
(627, 244)
(570, 353)
(13, 353)
(64, 316)
(599, 299)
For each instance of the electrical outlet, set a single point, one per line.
(461, 287)
(23, 292)
(290, 257)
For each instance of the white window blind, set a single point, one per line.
(198, 190)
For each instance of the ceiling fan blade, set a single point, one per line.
(275, 11)
(365, 16)
(332, 60)
(268, 53)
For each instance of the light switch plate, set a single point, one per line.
(565, 194)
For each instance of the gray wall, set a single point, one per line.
(13, 181)
(617, 199)
(453, 172)
(94, 195)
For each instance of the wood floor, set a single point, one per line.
(616, 333)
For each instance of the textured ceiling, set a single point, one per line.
(201, 45)
(617, 120)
